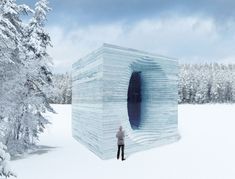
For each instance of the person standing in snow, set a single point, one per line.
(120, 142)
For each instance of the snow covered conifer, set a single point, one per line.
(25, 75)
(207, 83)
(38, 76)
(4, 159)
(10, 29)
(37, 42)
(62, 91)
(12, 68)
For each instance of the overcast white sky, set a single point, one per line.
(192, 31)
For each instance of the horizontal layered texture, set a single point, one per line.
(105, 97)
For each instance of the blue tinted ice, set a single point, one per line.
(116, 86)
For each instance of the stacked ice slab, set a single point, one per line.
(99, 104)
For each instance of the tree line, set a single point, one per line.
(206, 83)
(197, 84)
(62, 89)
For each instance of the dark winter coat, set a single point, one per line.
(120, 136)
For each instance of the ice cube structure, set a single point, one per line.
(115, 86)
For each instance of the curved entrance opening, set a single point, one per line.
(134, 100)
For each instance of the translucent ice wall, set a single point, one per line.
(100, 90)
(87, 101)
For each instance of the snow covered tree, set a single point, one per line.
(5, 170)
(68, 90)
(11, 65)
(62, 91)
(38, 76)
(207, 83)
(25, 75)
(10, 29)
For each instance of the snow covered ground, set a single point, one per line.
(205, 151)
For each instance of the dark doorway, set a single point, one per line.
(134, 100)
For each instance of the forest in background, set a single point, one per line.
(206, 83)
(62, 89)
(198, 84)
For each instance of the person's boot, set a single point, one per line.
(123, 159)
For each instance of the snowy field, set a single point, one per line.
(205, 151)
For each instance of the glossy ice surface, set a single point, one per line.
(100, 100)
